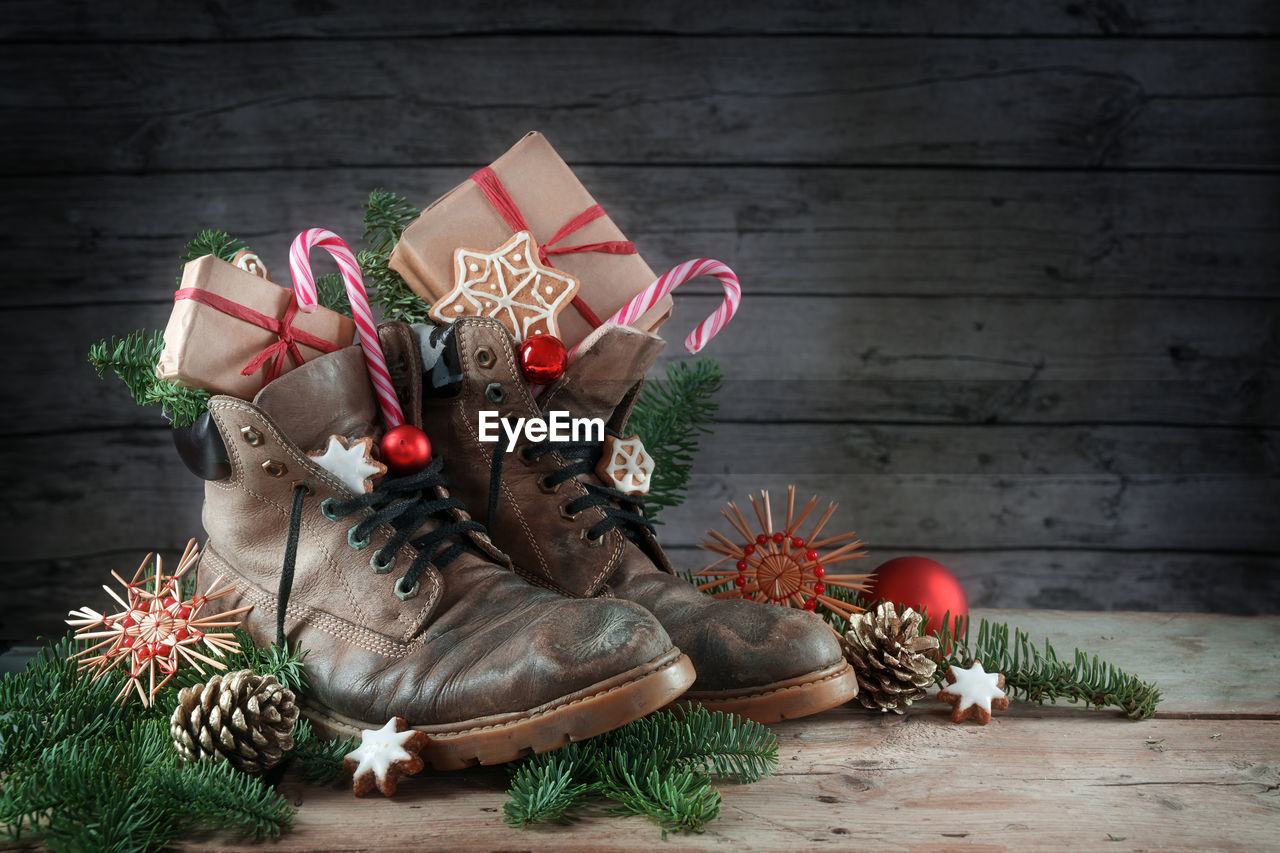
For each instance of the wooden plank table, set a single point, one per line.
(1204, 774)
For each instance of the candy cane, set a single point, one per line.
(304, 285)
(673, 278)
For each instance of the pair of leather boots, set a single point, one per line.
(516, 606)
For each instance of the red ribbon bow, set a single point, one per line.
(502, 202)
(288, 336)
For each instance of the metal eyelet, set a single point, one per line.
(564, 512)
(357, 544)
(485, 357)
(523, 457)
(303, 484)
(251, 435)
(379, 567)
(327, 509)
(591, 543)
(495, 393)
(406, 595)
(546, 488)
(274, 468)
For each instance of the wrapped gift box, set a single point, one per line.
(207, 346)
(549, 197)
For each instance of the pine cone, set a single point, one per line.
(889, 656)
(240, 717)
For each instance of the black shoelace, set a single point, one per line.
(620, 509)
(406, 503)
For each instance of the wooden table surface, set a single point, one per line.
(1204, 774)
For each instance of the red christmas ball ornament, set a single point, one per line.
(405, 450)
(543, 359)
(920, 582)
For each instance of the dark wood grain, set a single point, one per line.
(241, 19)
(904, 232)
(816, 101)
(881, 359)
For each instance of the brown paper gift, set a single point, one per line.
(549, 197)
(207, 346)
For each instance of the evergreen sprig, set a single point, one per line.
(82, 772)
(1030, 673)
(662, 766)
(133, 358)
(319, 760)
(331, 292)
(1037, 675)
(670, 417)
(386, 215)
(211, 241)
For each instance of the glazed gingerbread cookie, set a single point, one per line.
(351, 462)
(509, 284)
(625, 465)
(383, 756)
(974, 693)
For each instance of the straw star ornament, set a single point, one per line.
(156, 631)
(780, 566)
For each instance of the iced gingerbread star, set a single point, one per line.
(509, 284)
(625, 465)
(974, 693)
(351, 462)
(383, 756)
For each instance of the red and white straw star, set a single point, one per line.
(156, 631)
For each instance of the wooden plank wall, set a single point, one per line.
(1011, 266)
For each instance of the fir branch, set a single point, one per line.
(331, 292)
(133, 359)
(386, 215)
(1036, 676)
(660, 766)
(319, 760)
(546, 787)
(670, 417)
(683, 801)
(220, 244)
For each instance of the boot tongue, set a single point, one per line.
(611, 360)
(329, 395)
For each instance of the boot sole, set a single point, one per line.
(782, 700)
(500, 738)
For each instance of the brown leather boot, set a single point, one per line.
(401, 601)
(566, 530)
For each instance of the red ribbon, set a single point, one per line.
(289, 337)
(502, 202)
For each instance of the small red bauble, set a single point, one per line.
(811, 604)
(748, 550)
(762, 538)
(740, 581)
(741, 565)
(405, 450)
(819, 588)
(797, 542)
(543, 359)
(819, 571)
(920, 582)
(778, 538)
(811, 555)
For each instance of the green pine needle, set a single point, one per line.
(220, 244)
(1037, 675)
(670, 417)
(386, 215)
(82, 772)
(133, 359)
(331, 292)
(661, 766)
(318, 760)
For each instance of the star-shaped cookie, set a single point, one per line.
(510, 285)
(351, 462)
(974, 693)
(383, 756)
(625, 465)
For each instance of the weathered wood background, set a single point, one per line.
(1011, 266)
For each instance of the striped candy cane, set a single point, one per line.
(673, 278)
(304, 285)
